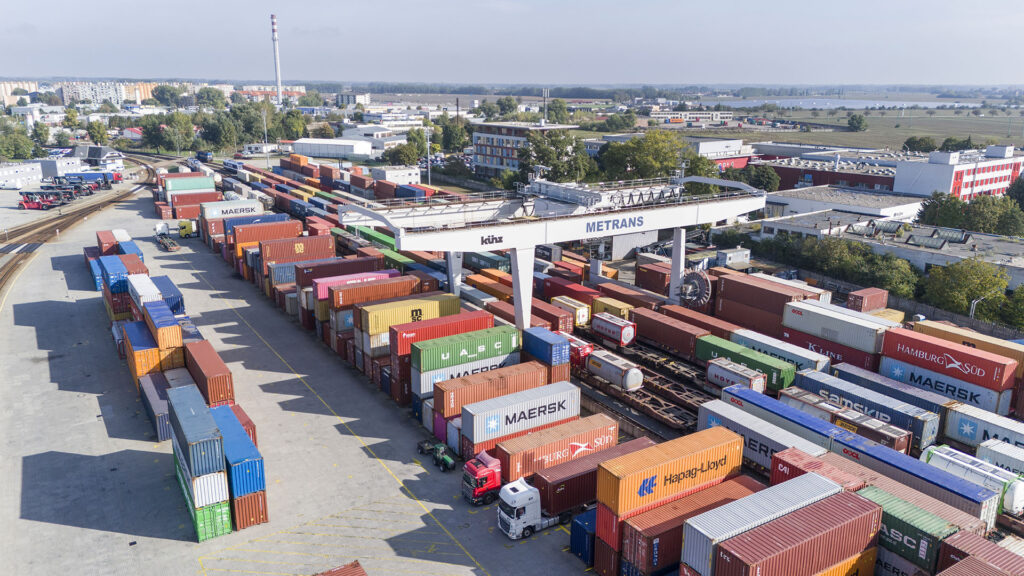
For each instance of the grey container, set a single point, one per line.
(423, 382)
(198, 436)
(520, 411)
(760, 439)
(702, 534)
(1002, 454)
(153, 389)
(802, 358)
(825, 322)
(179, 377)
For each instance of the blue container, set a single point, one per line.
(406, 191)
(230, 223)
(538, 282)
(480, 260)
(959, 390)
(258, 186)
(130, 247)
(581, 536)
(159, 314)
(245, 464)
(115, 275)
(347, 322)
(153, 389)
(276, 170)
(417, 407)
(197, 434)
(546, 346)
(314, 211)
(385, 379)
(319, 203)
(922, 424)
(299, 208)
(138, 336)
(282, 188)
(97, 274)
(284, 272)
(189, 332)
(170, 293)
(924, 399)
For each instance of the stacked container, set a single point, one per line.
(211, 375)
(526, 455)
(550, 349)
(141, 350)
(450, 357)
(485, 424)
(246, 475)
(167, 332)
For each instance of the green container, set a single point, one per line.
(182, 184)
(395, 260)
(209, 521)
(450, 351)
(376, 237)
(481, 260)
(911, 532)
(779, 373)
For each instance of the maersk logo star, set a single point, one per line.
(492, 424)
(967, 429)
(897, 372)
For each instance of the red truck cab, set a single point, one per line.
(481, 479)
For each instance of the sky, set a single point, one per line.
(553, 42)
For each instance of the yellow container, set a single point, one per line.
(860, 565)
(172, 358)
(323, 310)
(974, 340)
(611, 306)
(379, 318)
(645, 477)
(580, 311)
(890, 315)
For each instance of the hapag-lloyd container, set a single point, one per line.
(613, 328)
(652, 541)
(722, 373)
(667, 333)
(802, 358)
(950, 359)
(204, 490)
(716, 326)
(196, 432)
(245, 464)
(212, 376)
(649, 476)
(451, 395)
(422, 384)
(761, 440)
(227, 209)
(972, 426)
(497, 417)
(837, 353)
(295, 250)
(959, 390)
(812, 539)
(580, 311)
(857, 333)
(792, 462)
(909, 531)
(703, 534)
(962, 545)
(527, 455)
(439, 353)
(305, 275)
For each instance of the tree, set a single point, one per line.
(97, 132)
(238, 98)
(453, 137)
(152, 133)
(920, 144)
(763, 177)
(564, 154)
(41, 133)
(1016, 191)
(149, 102)
(294, 125)
(507, 105)
(22, 102)
(48, 98)
(700, 166)
(19, 92)
(558, 112)
(402, 155)
(62, 139)
(418, 138)
(986, 214)
(955, 286)
(311, 98)
(107, 107)
(488, 109)
(857, 123)
(167, 95)
(322, 131)
(178, 132)
(657, 153)
(210, 98)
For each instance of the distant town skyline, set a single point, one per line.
(747, 42)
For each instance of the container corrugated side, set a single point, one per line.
(204, 490)
(197, 434)
(951, 388)
(963, 544)
(973, 365)
(793, 462)
(761, 440)
(862, 564)
(526, 455)
(153, 390)
(524, 410)
(378, 318)
(451, 395)
(857, 333)
(802, 358)
(973, 566)
(973, 339)
(971, 426)
(924, 399)
(459, 349)
(245, 464)
(1003, 454)
(716, 326)
(702, 534)
(211, 374)
(250, 510)
(910, 531)
(209, 521)
(422, 383)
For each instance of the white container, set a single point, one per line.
(1002, 454)
(703, 533)
(823, 295)
(427, 414)
(761, 439)
(423, 383)
(971, 426)
(889, 563)
(121, 235)
(520, 411)
(802, 358)
(291, 304)
(474, 296)
(617, 370)
(454, 433)
(178, 377)
(229, 209)
(809, 403)
(722, 373)
(308, 301)
(204, 490)
(376, 345)
(965, 392)
(613, 328)
(142, 290)
(979, 472)
(580, 311)
(855, 314)
(835, 327)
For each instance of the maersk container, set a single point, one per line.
(1002, 454)
(971, 426)
(620, 331)
(580, 311)
(619, 371)
(779, 374)
(201, 442)
(702, 534)
(923, 399)
(153, 389)
(422, 383)
(266, 218)
(857, 333)
(546, 346)
(802, 358)
(440, 353)
(521, 411)
(722, 373)
(245, 464)
(922, 424)
(965, 392)
(227, 209)
(205, 490)
(761, 440)
(979, 472)
(170, 293)
(911, 532)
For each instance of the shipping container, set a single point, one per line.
(250, 510)
(761, 440)
(778, 373)
(226, 209)
(972, 339)
(977, 471)
(971, 426)
(378, 318)
(716, 326)
(209, 521)
(749, 315)
(911, 532)
(106, 243)
(468, 449)
(613, 329)
(451, 395)
(790, 463)
(507, 312)
(616, 370)
(205, 490)
(923, 399)
(561, 319)
(802, 358)
(525, 456)
(962, 545)
(722, 373)
(153, 390)
(1003, 454)
(957, 361)
(115, 275)
(245, 469)
(582, 536)
(667, 333)
(170, 293)
(461, 348)
(520, 411)
(770, 296)
(611, 306)
(606, 559)
(560, 287)
(634, 298)
(422, 383)
(972, 566)
(634, 481)
(141, 350)
(580, 311)
(862, 564)
(702, 534)
(212, 376)
(885, 434)
(295, 250)
(245, 234)
(246, 423)
(867, 299)
(142, 290)
(196, 432)
(837, 353)
(547, 346)
(162, 324)
(828, 324)
(951, 388)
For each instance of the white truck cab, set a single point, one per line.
(519, 512)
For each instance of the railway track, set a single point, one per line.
(22, 241)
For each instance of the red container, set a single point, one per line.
(961, 545)
(403, 336)
(569, 486)
(561, 287)
(133, 264)
(806, 541)
(667, 333)
(563, 274)
(749, 316)
(304, 275)
(119, 302)
(163, 211)
(210, 373)
(793, 462)
(451, 395)
(250, 510)
(716, 326)
(384, 190)
(360, 181)
(186, 212)
(507, 312)
(468, 449)
(867, 299)
(296, 250)
(353, 569)
(525, 456)
(246, 233)
(837, 352)
(606, 559)
(427, 282)
(195, 199)
(348, 295)
(972, 365)
(653, 278)
(764, 294)
(246, 423)
(574, 268)
(973, 566)
(556, 316)
(631, 297)
(652, 541)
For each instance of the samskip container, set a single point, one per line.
(526, 455)
(923, 399)
(761, 440)
(197, 434)
(520, 411)
(244, 462)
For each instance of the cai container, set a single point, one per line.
(195, 431)
(957, 361)
(667, 333)
(761, 440)
(244, 461)
(451, 395)
(524, 456)
(951, 388)
(520, 411)
(212, 376)
(828, 324)
(792, 462)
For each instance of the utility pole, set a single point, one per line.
(428, 131)
(545, 92)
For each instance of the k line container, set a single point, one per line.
(802, 358)
(972, 339)
(837, 353)
(962, 545)
(857, 333)
(1003, 454)
(667, 333)
(703, 534)
(793, 462)
(722, 373)
(205, 490)
(210, 373)
(451, 395)
(761, 440)
(911, 532)
(244, 462)
(524, 410)
(958, 390)
(198, 437)
(153, 390)
(527, 455)
(637, 480)
(978, 367)
(422, 383)
(716, 326)
(971, 426)
(459, 349)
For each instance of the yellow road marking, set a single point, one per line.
(564, 529)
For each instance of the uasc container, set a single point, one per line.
(909, 531)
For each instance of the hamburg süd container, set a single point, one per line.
(953, 389)
(802, 358)
(547, 346)
(761, 440)
(857, 333)
(451, 395)
(615, 369)
(957, 361)
(526, 455)
(722, 373)
(454, 350)
(244, 462)
(497, 417)
(212, 376)
(618, 330)
(197, 434)
(972, 339)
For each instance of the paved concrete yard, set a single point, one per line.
(88, 490)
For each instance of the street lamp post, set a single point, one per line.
(974, 303)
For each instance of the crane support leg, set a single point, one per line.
(595, 270)
(522, 285)
(678, 264)
(454, 272)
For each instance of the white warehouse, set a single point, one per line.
(333, 148)
(397, 174)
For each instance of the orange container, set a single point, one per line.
(859, 565)
(171, 358)
(490, 286)
(499, 275)
(451, 395)
(527, 455)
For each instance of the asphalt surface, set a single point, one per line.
(87, 489)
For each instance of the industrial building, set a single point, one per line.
(692, 115)
(725, 153)
(333, 148)
(18, 175)
(496, 144)
(817, 198)
(965, 175)
(397, 174)
(351, 99)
